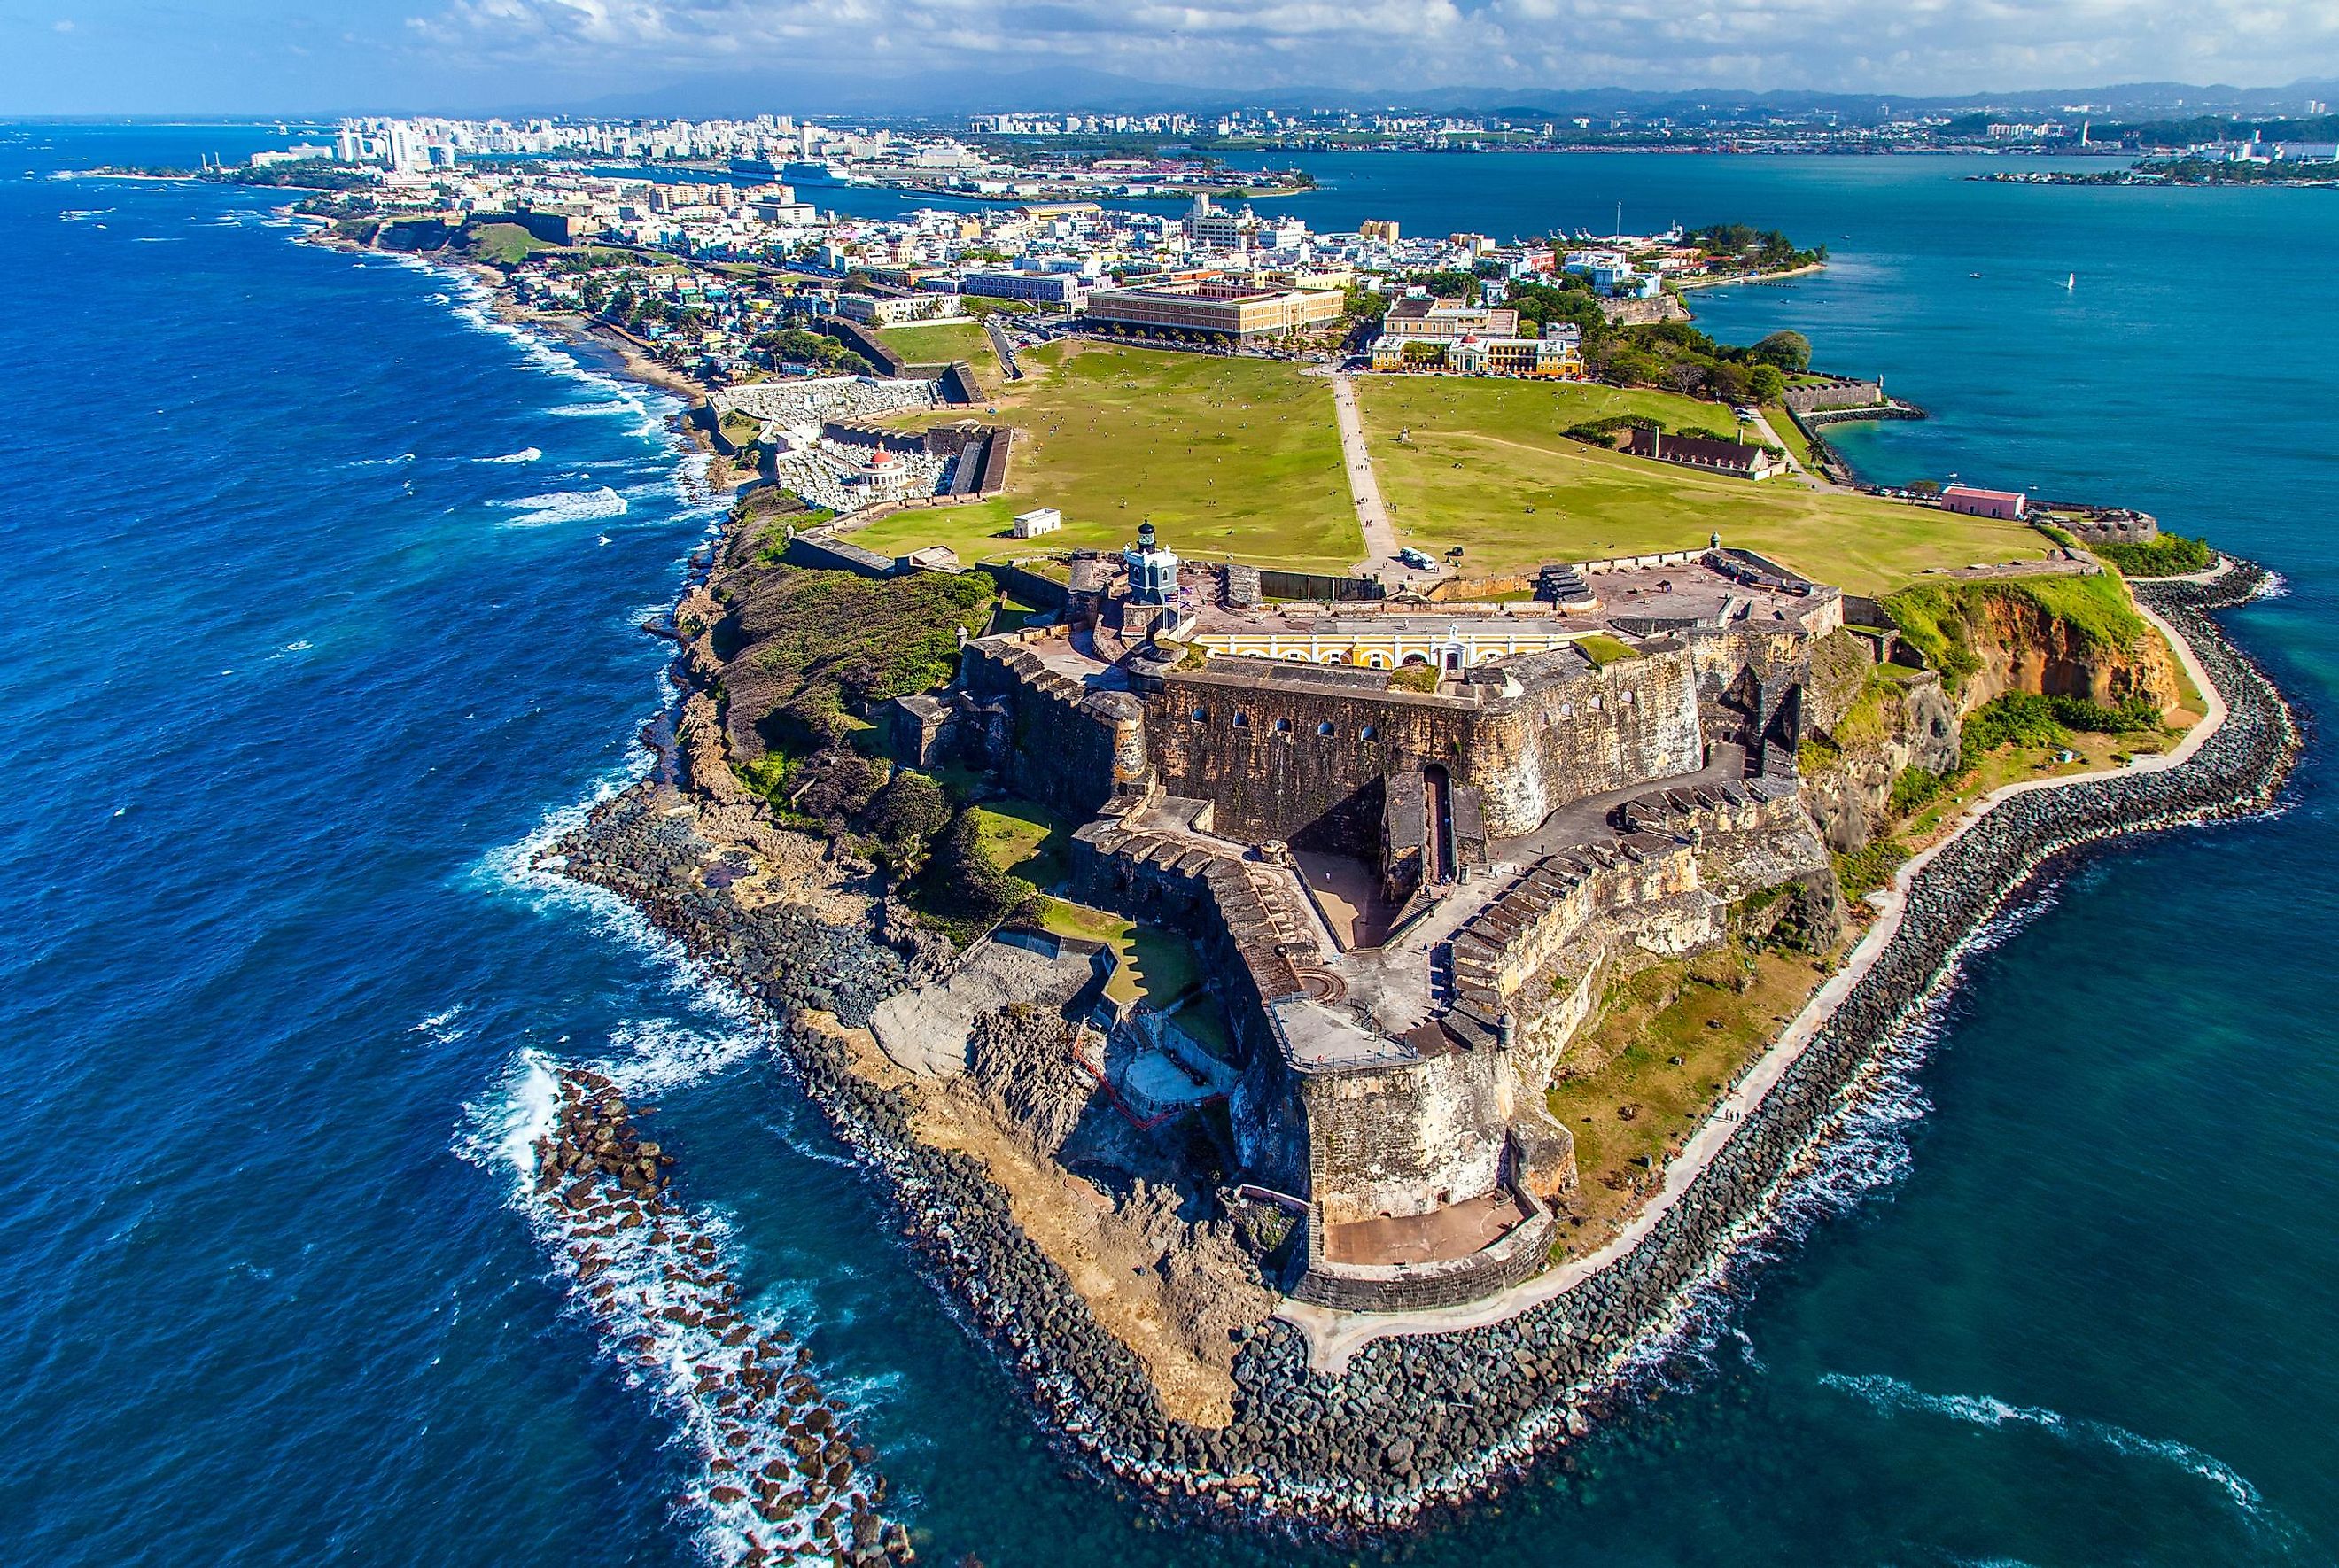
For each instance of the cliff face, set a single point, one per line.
(2064, 636)
(2025, 647)
(1869, 722)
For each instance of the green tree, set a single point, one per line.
(1788, 351)
(905, 817)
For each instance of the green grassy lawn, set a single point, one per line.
(1603, 649)
(1156, 966)
(1485, 465)
(1789, 432)
(1229, 458)
(1024, 839)
(505, 244)
(1644, 1074)
(940, 342)
(741, 430)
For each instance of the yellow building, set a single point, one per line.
(1224, 308)
(1391, 642)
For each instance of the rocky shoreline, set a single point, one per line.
(1410, 1425)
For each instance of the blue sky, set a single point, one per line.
(228, 56)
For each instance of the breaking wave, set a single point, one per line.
(1892, 1397)
(525, 455)
(564, 507)
(776, 1469)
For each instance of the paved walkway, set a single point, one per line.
(1769, 436)
(1334, 1337)
(1364, 485)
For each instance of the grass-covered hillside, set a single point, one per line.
(1488, 465)
(1229, 457)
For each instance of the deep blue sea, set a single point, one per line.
(325, 595)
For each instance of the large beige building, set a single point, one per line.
(1425, 334)
(1225, 309)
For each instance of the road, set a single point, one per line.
(1364, 485)
(1003, 347)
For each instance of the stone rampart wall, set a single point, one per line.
(1834, 395)
(1275, 758)
(1406, 1138)
(1063, 744)
(1512, 1260)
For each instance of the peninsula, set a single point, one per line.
(1336, 844)
(1334, 899)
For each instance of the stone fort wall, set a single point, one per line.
(1057, 743)
(1406, 1138)
(1275, 758)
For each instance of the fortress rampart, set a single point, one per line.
(1392, 1087)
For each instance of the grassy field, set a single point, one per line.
(1024, 839)
(1229, 458)
(1156, 966)
(1656, 1056)
(505, 244)
(1485, 465)
(940, 342)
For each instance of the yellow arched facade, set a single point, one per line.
(1446, 646)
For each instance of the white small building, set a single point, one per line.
(1038, 520)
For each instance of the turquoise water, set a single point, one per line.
(300, 673)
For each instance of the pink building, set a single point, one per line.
(1974, 503)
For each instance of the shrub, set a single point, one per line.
(1413, 678)
(1915, 789)
(964, 886)
(2026, 718)
(1866, 869)
(905, 817)
(2169, 555)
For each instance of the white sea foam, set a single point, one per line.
(1861, 1151)
(525, 455)
(564, 507)
(399, 461)
(648, 1289)
(1892, 1395)
(2272, 586)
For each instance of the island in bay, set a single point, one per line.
(1336, 817)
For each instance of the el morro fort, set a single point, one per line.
(1411, 841)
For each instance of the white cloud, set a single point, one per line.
(61, 25)
(1905, 45)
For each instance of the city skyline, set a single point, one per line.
(133, 56)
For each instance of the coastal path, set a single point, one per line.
(1769, 436)
(1333, 1336)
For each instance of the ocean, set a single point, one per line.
(329, 590)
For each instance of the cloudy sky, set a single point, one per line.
(160, 56)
